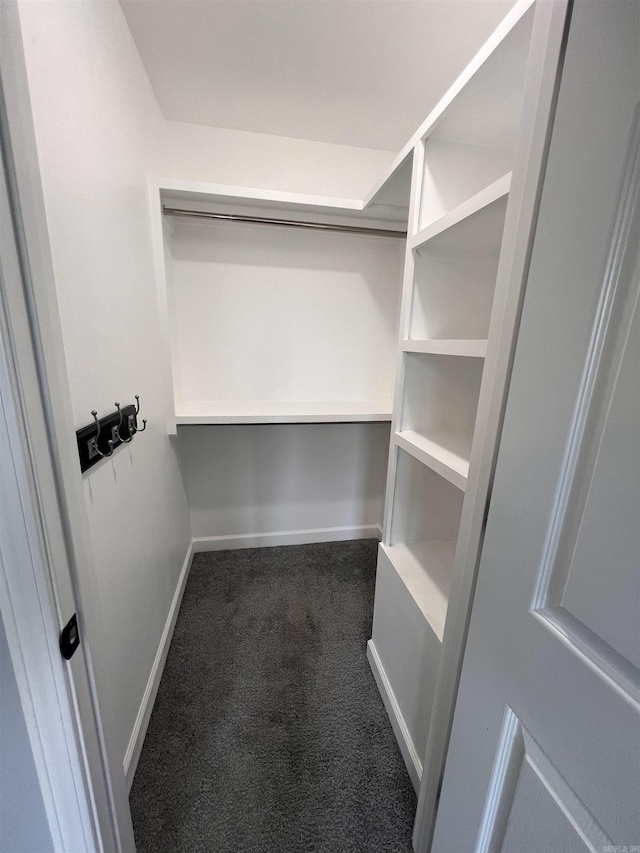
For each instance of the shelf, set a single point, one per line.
(455, 274)
(471, 349)
(426, 505)
(390, 198)
(170, 189)
(449, 465)
(425, 569)
(463, 211)
(438, 411)
(486, 110)
(281, 413)
(455, 174)
(514, 30)
(472, 141)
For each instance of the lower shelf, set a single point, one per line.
(215, 412)
(448, 464)
(470, 348)
(407, 649)
(425, 569)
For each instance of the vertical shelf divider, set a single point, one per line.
(405, 319)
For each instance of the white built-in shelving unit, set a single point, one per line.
(271, 324)
(463, 159)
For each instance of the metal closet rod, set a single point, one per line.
(286, 223)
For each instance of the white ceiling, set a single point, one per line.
(353, 72)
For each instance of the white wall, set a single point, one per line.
(272, 478)
(216, 155)
(96, 121)
(23, 820)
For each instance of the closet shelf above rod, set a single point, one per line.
(287, 223)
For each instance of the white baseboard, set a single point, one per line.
(286, 537)
(146, 705)
(400, 730)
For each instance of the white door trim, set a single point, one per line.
(28, 603)
(31, 624)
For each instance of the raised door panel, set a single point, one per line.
(602, 561)
(531, 807)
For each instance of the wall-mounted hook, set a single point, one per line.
(99, 439)
(117, 429)
(94, 449)
(134, 418)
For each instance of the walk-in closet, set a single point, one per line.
(336, 319)
(264, 273)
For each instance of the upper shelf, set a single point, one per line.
(391, 201)
(202, 191)
(301, 207)
(266, 412)
(482, 107)
(469, 348)
(468, 208)
(455, 273)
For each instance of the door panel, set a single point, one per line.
(602, 548)
(545, 746)
(532, 807)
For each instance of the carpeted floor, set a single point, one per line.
(268, 734)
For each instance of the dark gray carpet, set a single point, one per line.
(268, 734)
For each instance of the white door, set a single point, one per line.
(545, 746)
